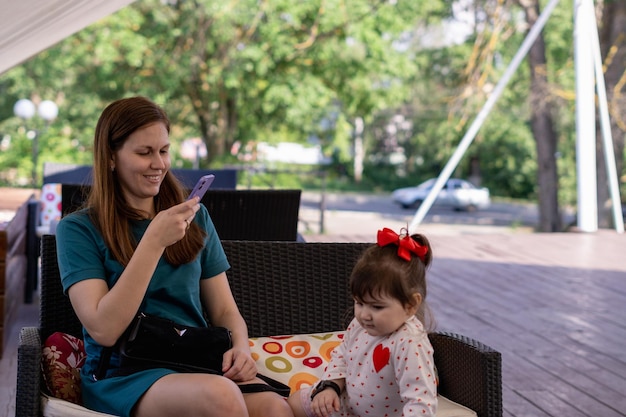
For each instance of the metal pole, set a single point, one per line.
(585, 120)
(323, 205)
(605, 125)
(473, 130)
(35, 157)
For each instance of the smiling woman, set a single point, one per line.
(140, 246)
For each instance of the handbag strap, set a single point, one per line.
(270, 385)
(105, 356)
(103, 363)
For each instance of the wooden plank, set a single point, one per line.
(16, 231)
(13, 239)
(544, 399)
(4, 243)
(13, 294)
(591, 396)
(514, 405)
(3, 273)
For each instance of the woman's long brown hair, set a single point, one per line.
(108, 208)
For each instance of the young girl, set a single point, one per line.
(384, 367)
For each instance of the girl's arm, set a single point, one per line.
(416, 380)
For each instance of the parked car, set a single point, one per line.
(456, 193)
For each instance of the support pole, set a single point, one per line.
(585, 119)
(484, 112)
(605, 125)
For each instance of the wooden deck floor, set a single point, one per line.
(554, 305)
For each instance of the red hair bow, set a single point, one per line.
(406, 245)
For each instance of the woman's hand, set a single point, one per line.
(169, 226)
(238, 365)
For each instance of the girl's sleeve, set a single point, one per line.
(415, 373)
(336, 368)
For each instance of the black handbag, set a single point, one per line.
(152, 342)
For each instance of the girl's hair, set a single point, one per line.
(109, 210)
(380, 271)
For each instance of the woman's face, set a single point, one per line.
(141, 163)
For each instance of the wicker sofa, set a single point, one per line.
(282, 288)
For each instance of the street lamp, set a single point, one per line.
(26, 109)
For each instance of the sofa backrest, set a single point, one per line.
(292, 288)
(280, 287)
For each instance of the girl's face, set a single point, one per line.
(383, 315)
(141, 164)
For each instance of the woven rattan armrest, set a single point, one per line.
(28, 373)
(469, 373)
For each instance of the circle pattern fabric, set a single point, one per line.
(50, 203)
(296, 360)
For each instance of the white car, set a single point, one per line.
(456, 193)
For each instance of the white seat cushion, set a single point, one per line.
(55, 407)
(447, 408)
(295, 360)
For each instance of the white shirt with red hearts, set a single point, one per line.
(389, 375)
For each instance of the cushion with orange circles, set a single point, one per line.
(294, 360)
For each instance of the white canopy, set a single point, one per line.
(30, 26)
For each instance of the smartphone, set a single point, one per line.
(201, 186)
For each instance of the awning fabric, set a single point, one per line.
(30, 26)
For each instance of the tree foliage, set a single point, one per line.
(245, 71)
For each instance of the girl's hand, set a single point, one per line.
(238, 365)
(325, 403)
(169, 226)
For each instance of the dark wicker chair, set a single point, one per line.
(263, 214)
(281, 288)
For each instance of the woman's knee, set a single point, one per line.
(192, 394)
(267, 404)
(223, 395)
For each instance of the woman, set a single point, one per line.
(138, 246)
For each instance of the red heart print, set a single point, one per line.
(381, 357)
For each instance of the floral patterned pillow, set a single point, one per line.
(61, 362)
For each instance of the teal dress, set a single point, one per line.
(173, 293)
